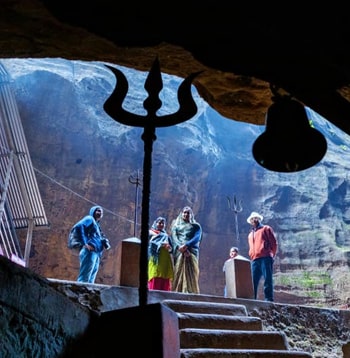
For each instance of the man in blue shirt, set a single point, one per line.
(94, 242)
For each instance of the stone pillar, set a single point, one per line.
(128, 262)
(238, 275)
(143, 331)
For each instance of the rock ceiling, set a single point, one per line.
(241, 49)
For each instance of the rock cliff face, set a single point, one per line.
(83, 157)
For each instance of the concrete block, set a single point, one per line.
(238, 275)
(128, 262)
(143, 331)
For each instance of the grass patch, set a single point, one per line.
(304, 280)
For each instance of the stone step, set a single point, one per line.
(225, 330)
(232, 339)
(240, 353)
(206, 307)
(217, 321)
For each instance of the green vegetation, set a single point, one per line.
(304, 280)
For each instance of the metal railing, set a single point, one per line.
(20, 200)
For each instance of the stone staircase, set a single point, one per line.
(220, 330)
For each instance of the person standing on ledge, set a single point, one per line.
(262, 251)
(186, 234)
(93, 244)
(233, 253)
(160, 259)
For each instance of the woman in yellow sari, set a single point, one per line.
(186, 234)
(160, 260)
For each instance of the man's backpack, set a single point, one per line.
(75, 241)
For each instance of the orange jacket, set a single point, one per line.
(262, 242)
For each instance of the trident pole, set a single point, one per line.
(113, 107)
(136, 181)
(236, 207)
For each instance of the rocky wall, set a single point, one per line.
(35, 319)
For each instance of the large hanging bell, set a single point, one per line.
(289, 143)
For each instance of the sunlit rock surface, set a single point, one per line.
(83, 157)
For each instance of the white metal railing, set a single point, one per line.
(20, 200)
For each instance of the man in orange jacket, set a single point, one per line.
(262, 251)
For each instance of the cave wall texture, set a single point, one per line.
(82, 157)
(28, 30)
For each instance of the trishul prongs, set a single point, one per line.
(236, 207)
(153, 85)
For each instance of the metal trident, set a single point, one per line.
(236, 208)
(136, 181)
(113, 107)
